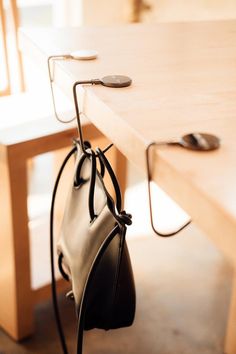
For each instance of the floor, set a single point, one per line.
(183, 288)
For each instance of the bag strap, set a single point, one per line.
(53, 278)
(121, 216)
(150, 198)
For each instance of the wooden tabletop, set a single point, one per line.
(184, 80)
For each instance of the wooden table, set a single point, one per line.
(184, 80)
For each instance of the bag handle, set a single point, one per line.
(113, 178)
(121, 216)
(90, 155)
(114, 206)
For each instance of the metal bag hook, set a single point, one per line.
(51, 79)
(82, 54)
(150, 197)
(114, 81)
(193, 141)
(78, 113)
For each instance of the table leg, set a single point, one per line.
(230, 343)
(16, 307)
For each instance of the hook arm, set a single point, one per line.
(84, 82)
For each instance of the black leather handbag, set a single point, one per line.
(92, 250)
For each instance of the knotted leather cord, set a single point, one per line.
(150, 197)
(122, 219)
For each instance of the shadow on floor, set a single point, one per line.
(183, 291)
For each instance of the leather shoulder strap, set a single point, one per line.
(53, 279)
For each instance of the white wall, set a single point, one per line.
(89, 12)
(106, 12)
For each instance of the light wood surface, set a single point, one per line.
(184, 80)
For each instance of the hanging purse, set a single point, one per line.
(92, 250)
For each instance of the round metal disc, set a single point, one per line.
(84, 54)
(116, 81)
(200, 141)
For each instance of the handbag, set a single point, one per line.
(92, 250)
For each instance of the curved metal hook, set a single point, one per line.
(150, 199)
(51, 79)
(91, 82)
